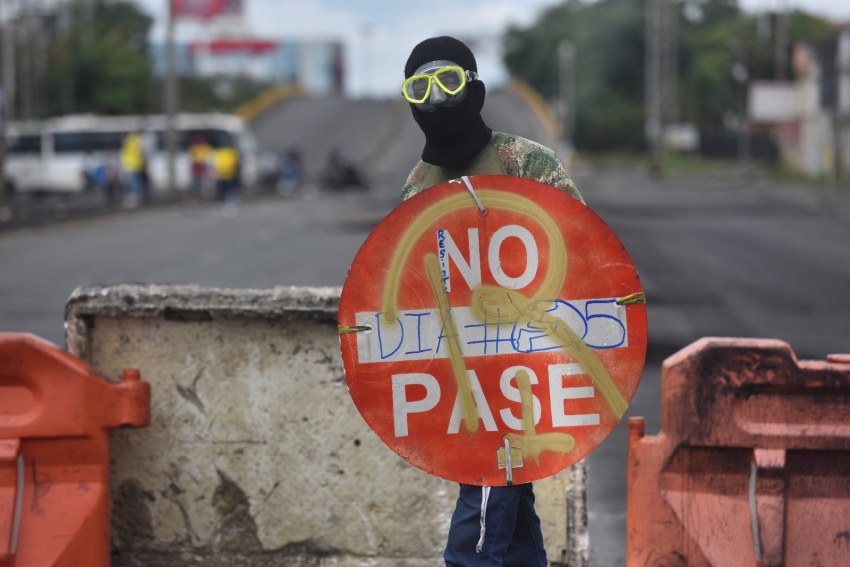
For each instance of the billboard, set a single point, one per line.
(773, 101)
(316, 66)
(205, 8)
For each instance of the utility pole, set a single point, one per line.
(780, 56)
(34, 61)
(2, 152)
(8, 41)
(567, 89)
(741, 76)
(653, 16)
(4, 31)
(40, 64)
(25, 20)
(65, 26)
(669, 63)
(842, 107)
(87, 22)
(170, 101)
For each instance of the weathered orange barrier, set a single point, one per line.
(752, 464)
(55, 415)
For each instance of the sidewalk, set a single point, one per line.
(33, 210)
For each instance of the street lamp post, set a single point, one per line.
(652, 79)
(2, 150)
(567, 89)
(8, 41)
(170, 100)
(6, 93)
(366, 31)
(740, 75)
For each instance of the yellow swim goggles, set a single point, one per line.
(449, 77)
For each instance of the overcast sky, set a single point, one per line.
(379, 34)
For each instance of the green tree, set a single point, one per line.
(99, 65)
(608, 35)
(712, 45)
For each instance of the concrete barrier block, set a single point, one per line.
(255, 454)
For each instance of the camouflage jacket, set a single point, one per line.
(506, 154)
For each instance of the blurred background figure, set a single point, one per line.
(200, 153)
(90, 171)
(149, 147)
(111, 183)
(133, 166)
(269, 169)
(341, 172)
(290, 174)
(227, 167)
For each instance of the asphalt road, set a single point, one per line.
(729, 256)
(717, 256)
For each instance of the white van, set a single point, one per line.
(54, 155)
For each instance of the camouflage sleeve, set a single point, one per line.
(413, 185)
(531, 160)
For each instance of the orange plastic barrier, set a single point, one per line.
(752, 464)
(55, 415)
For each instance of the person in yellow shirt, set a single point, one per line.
(227, 169)
(133, 166)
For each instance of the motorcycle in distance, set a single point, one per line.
(341, 173)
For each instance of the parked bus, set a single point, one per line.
(57, 154)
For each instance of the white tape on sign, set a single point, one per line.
(418, 335)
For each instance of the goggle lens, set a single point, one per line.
(418, 88)
(450, 79)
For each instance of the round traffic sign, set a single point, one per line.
(497, 345)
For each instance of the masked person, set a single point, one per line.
(490, 525)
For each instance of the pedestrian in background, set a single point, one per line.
(133, 166)
(200, 153)
(290, 175)
(112, 180)
(269, 167)
(149, 146)
(227, 169)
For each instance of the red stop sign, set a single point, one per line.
(475, 344)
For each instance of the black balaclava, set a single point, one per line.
(453, 134)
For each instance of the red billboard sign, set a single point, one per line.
(231, 46)
(484, 346)
(205, 8)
